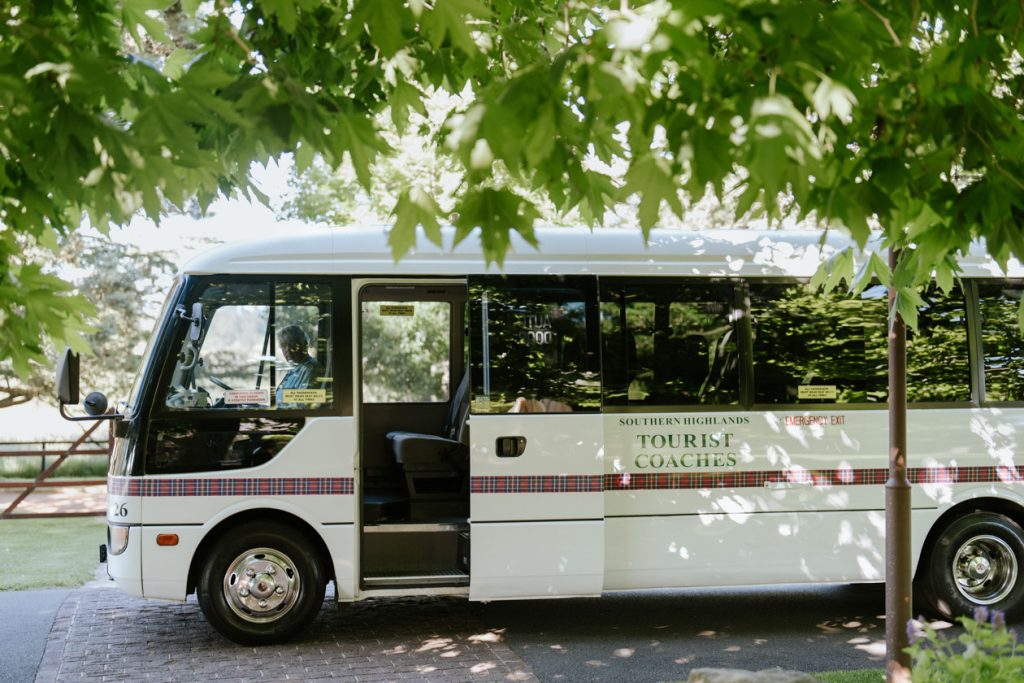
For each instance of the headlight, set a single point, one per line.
(117, 539)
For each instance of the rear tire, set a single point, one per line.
(977, 561)
(261, 583)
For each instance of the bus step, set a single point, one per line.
(418, 577)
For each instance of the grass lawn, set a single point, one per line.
(855, 676)
(49, 553)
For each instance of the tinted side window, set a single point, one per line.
(264, 346)
(668, 343)
(938, 365)
(1001, 341)
(811, 347)
(533, 344)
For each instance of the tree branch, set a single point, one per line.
(888, 26)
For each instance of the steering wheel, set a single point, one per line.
(220, 383)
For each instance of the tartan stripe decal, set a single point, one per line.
(559, 483)
(569, 483)
(182, 488)
(665, 481)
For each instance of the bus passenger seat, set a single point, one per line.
(435, 467)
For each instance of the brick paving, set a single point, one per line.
(101, 634)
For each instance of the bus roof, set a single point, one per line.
(566, 251)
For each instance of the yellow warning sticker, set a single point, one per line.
(303, 396)
(823, 392)
(397, 309)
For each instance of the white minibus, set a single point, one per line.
(597, 415)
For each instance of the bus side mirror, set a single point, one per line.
(95, 404)
(67, 378)
(195, 330)
(195, 327)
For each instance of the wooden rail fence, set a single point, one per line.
(83, 445)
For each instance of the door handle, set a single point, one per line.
(509, 446)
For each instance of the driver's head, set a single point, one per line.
(293, 342)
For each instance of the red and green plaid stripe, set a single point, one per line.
(662, 481)
(568, 483)
(267, 486)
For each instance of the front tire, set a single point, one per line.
(261, 583)
(977, 561)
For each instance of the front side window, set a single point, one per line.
(263, 346)
(533, 343)
(668, 344)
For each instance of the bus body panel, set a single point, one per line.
(555, 559)
(537, 519)
(126, 568)
(312, 478)
(696, 551)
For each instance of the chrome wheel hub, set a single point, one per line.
(985, 569)
(261, 585)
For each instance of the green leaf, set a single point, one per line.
(304, 156)
(134, 13)
(497, 213)
(873, 268)
(449, 18)
(383, 21)
(174, 65)
(356, 135)
(285, 11)
(404, 97)
(651, 177)
(908, 301)
(541, 138)
(414, 208)
(711, 160)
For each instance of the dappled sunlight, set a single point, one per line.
(736, 507)
(682, 551)
(436, 644)
(492, 636)
(624, 652)
(999, 438)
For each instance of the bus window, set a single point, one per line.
(1001, 341)
(938, 365)
(813, 347)
(533, 343)
(265, 346)
(406, 351)
(668, 344)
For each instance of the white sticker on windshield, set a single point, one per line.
(237, 397)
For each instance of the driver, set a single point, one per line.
(305, 371)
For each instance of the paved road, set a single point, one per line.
(661, 635)
(101, 633)
(25, 620)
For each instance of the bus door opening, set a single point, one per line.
(414, 391)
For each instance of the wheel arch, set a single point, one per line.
(1010, 508)
(242, 518)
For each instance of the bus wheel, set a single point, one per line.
(977, 561)
(261, 584)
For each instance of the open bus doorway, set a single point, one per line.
(414, 439)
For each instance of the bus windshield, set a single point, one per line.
(133, 395)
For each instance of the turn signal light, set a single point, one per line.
(167, 539)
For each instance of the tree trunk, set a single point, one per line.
(897, 502)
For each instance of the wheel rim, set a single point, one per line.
(261, 585)
(985, 569)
